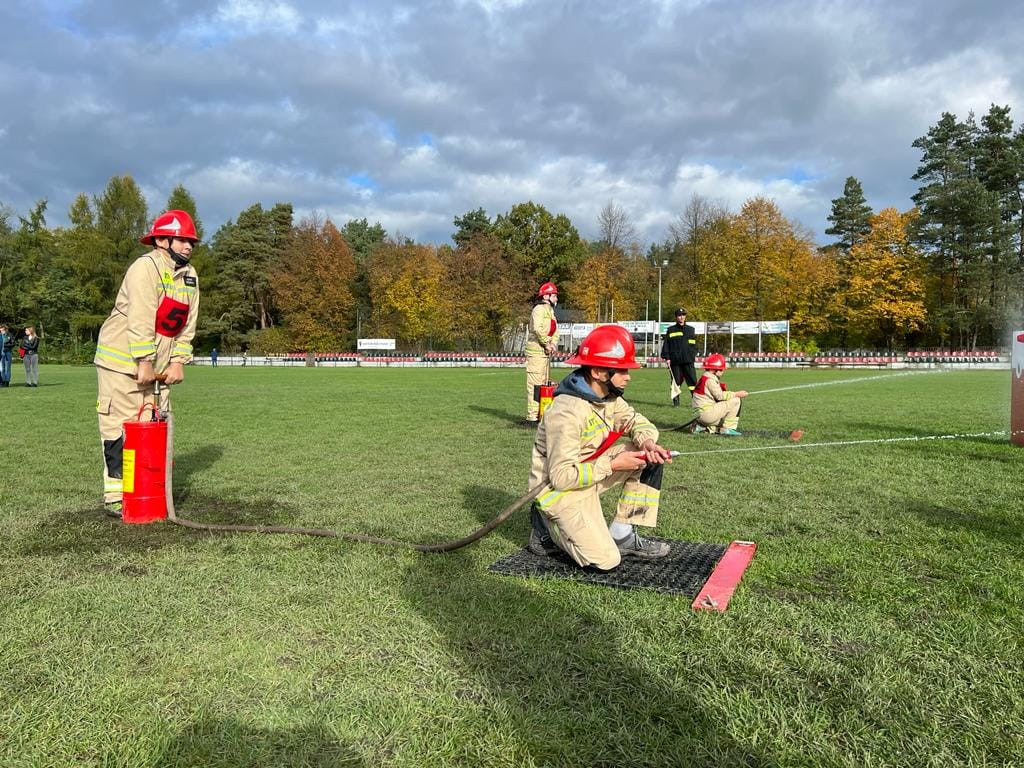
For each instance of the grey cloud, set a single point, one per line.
(615, 96)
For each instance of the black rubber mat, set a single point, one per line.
(682, 571)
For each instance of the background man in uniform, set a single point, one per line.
(149, 331)
(541, 344)
(680, 349)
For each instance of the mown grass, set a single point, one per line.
(880, 623)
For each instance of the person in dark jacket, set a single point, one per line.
(30, 357)
(680, 349)
(6, 351)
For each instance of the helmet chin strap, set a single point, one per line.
(178, 259)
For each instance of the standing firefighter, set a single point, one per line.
(540, 346)
(148, 332)
(680, 349)
(574, 453)
(717, 409)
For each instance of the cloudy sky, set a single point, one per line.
(413, 113)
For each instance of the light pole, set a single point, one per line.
(657, 336)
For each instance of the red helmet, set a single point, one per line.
(547, 289)
(714, 362)
(171, 224)
(607, 346)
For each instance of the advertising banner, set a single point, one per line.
(375, 344)
(1017, 389)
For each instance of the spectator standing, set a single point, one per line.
(542, 341)
(30, 356)
(149, 332)
(213, 357)
(6, 352)
(680, 349)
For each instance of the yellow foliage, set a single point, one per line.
(887, 286)
(409, 288)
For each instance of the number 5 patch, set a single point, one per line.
(171, 317)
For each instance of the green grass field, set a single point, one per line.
(880, 623)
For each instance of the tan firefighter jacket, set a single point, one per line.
(710, 390)
(543, 330)
(154, 316)
(571, 430)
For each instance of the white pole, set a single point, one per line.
(657, 335)
(647, 326)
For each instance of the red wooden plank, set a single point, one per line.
(722, 582)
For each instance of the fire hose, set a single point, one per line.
(444, 546)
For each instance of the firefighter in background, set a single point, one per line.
(575, 453)
(680, 349)
(542, 341)
(716, 408)
(149, 332)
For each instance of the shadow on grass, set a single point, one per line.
(512, 419)
(486, 503)
(192, 463)
(212, 509)
(223, 743)
(994, 526)
(555, 670)
(90, 531)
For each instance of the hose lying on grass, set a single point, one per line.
(444, 546)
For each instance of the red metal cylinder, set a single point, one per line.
(144, 471)
(547, 394)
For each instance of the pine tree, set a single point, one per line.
(850, 216)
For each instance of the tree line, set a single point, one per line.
(948, 272)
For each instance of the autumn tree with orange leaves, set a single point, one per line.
(487, 294)
(312, 287)
(610, 284)
(886, 296)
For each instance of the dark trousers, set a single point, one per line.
(682, 371)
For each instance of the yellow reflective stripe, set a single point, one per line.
(547, 499)
(110, 353)
(181, 347)
(113, 484)
(586, 472)
(141, 349)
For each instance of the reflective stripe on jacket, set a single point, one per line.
(543, 329)
(129, 335)
(571, 430)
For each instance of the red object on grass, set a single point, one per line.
(722, 582)
(144, 458)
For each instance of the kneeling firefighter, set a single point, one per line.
(149, 332)
(575, 455)
(716, 408)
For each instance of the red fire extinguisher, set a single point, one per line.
(144, 468)
(545, 394)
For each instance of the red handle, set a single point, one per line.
(156, 413)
